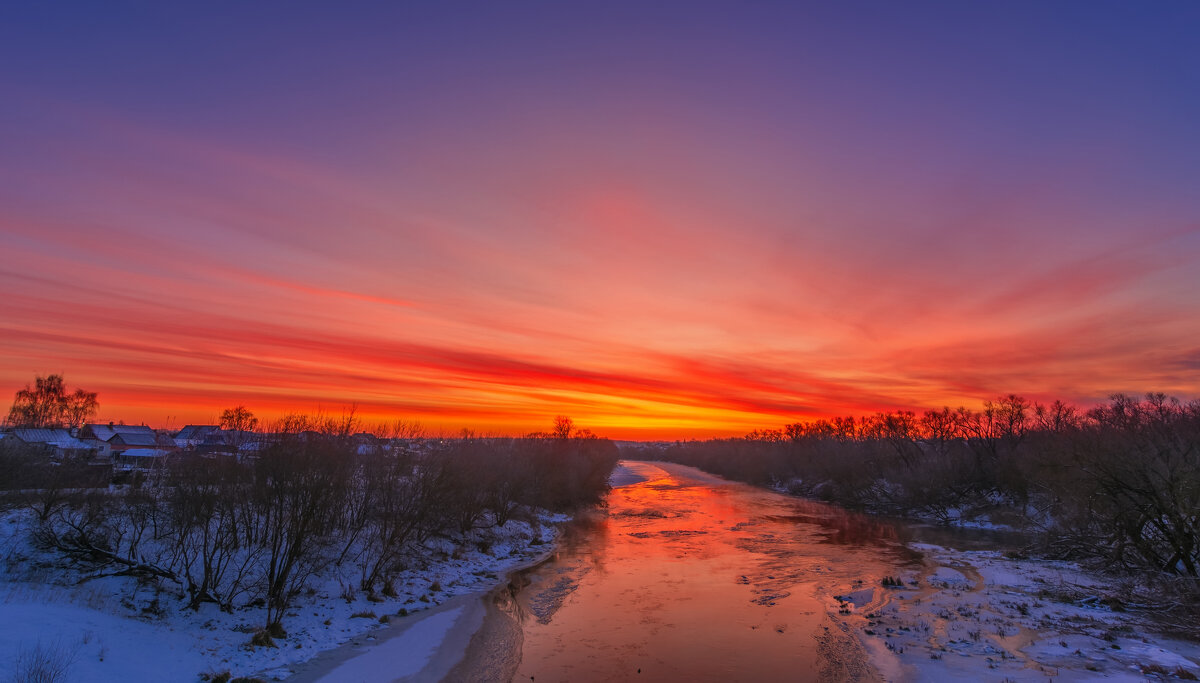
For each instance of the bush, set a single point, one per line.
(42, 664)
(262, 639)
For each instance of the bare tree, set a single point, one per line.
(81, 406)
(238, 419)
(899, 429)
(342, 427)
(209, 528)
(104, 534)
(563, 427)
(1142, 461)
(404, 500)
(298, 488)
(48, 404)
(405, 429)
(239, 422)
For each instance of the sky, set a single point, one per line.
(665, 220)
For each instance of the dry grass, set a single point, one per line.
(43, 664)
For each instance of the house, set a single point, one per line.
(195, 435)
(252, 449)
(58, 442)
(124, 442)
(366, 443)
(105, 432)
(225, 441)
(123, 437)
(140, 459)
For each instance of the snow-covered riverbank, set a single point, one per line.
(979, 615)
(122, 629)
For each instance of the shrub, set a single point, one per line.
(262, 639)
(42, 664)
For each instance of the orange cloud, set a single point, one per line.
(480, 288)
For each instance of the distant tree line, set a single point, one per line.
(1120, 482)
(251, 531)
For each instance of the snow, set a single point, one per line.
(122, 629)
(959, 615)
(975, 518)
(396, 657)
(101, 647)
(979, 615)
(950, 577)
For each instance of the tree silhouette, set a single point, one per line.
(47, 404)
(238, 419)
(563, 426)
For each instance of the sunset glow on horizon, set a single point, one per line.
(683, 221)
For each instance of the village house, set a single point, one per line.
(192, 436)
(120, 438)
(140, 459)
(58, 443)
(367, 443)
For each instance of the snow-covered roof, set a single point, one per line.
(228, 437)
(137, 439)
(107, 432)
(144, 453)
(196, 431)
(59, 438)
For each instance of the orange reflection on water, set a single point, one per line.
(688, 577)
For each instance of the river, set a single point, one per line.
(686, 576)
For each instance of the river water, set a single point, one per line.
(687, 576)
